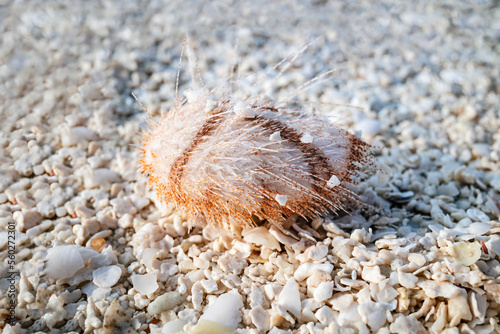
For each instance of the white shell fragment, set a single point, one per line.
(165, 302)
(333, 182)
(244, 110)
(281, 199)
(63, 261)
(106, 277)
(306, 138)
(224, 311)
(275, 136)
(384, 173)
(211, 105)
(289, 297)
(145, 284)
(467, 253)
(261, 236)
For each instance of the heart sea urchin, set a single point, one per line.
(233, 159)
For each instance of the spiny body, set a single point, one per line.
(230, 160)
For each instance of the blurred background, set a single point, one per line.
(421, 62)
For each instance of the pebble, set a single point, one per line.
(323, 291)
(225, 310)
(305, 270)
(165, 302)
(144, 284)
(289, 298)
(261, 236)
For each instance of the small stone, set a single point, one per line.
(373, 314)
(407, 280)
(165, 302)
(281, 199)
(324, 315)
(323, 291)
(97, 244)
(333, 182)
(306, 269)
(306, 138)
(466, 253)
(144, 284)
(275, 136)
(225, 310)
(372, 274)
(261, 236)
(289, 297)
(209, 285)
(260, 318)
(123, 206)
(318, 252)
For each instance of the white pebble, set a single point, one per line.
(148, 256)
(261, 236)
(144, 284)
(477, 215)
(333, 182)
(165, 302)
(306, 138)
(106, 277)
(209, 285)
(323, 291)
(289, 297)
(281, 199)
(260, 318)
(123, 206)
(306, 269)
(225, 310)
(373, 314)
(372, 274)
(324, 315)
(244, 110)
(318, 252)
(407, 280)
(174, 326)
(275, 136)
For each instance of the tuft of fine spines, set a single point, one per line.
(229, 160)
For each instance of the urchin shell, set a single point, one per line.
(229, 160)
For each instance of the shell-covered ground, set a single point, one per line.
(98, 253)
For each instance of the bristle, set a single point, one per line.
(231, 160)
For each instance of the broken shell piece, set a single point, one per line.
(261, 236)
(384, 173)
(106, 277)
(333, 182)
(466, 253)
(244, 110)
(225, 312)
(144, 284)
(63, 261)
(289, 297)
(306, 138)
(207, 326)
(281, 199)
(211, 105)
(275, 136)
